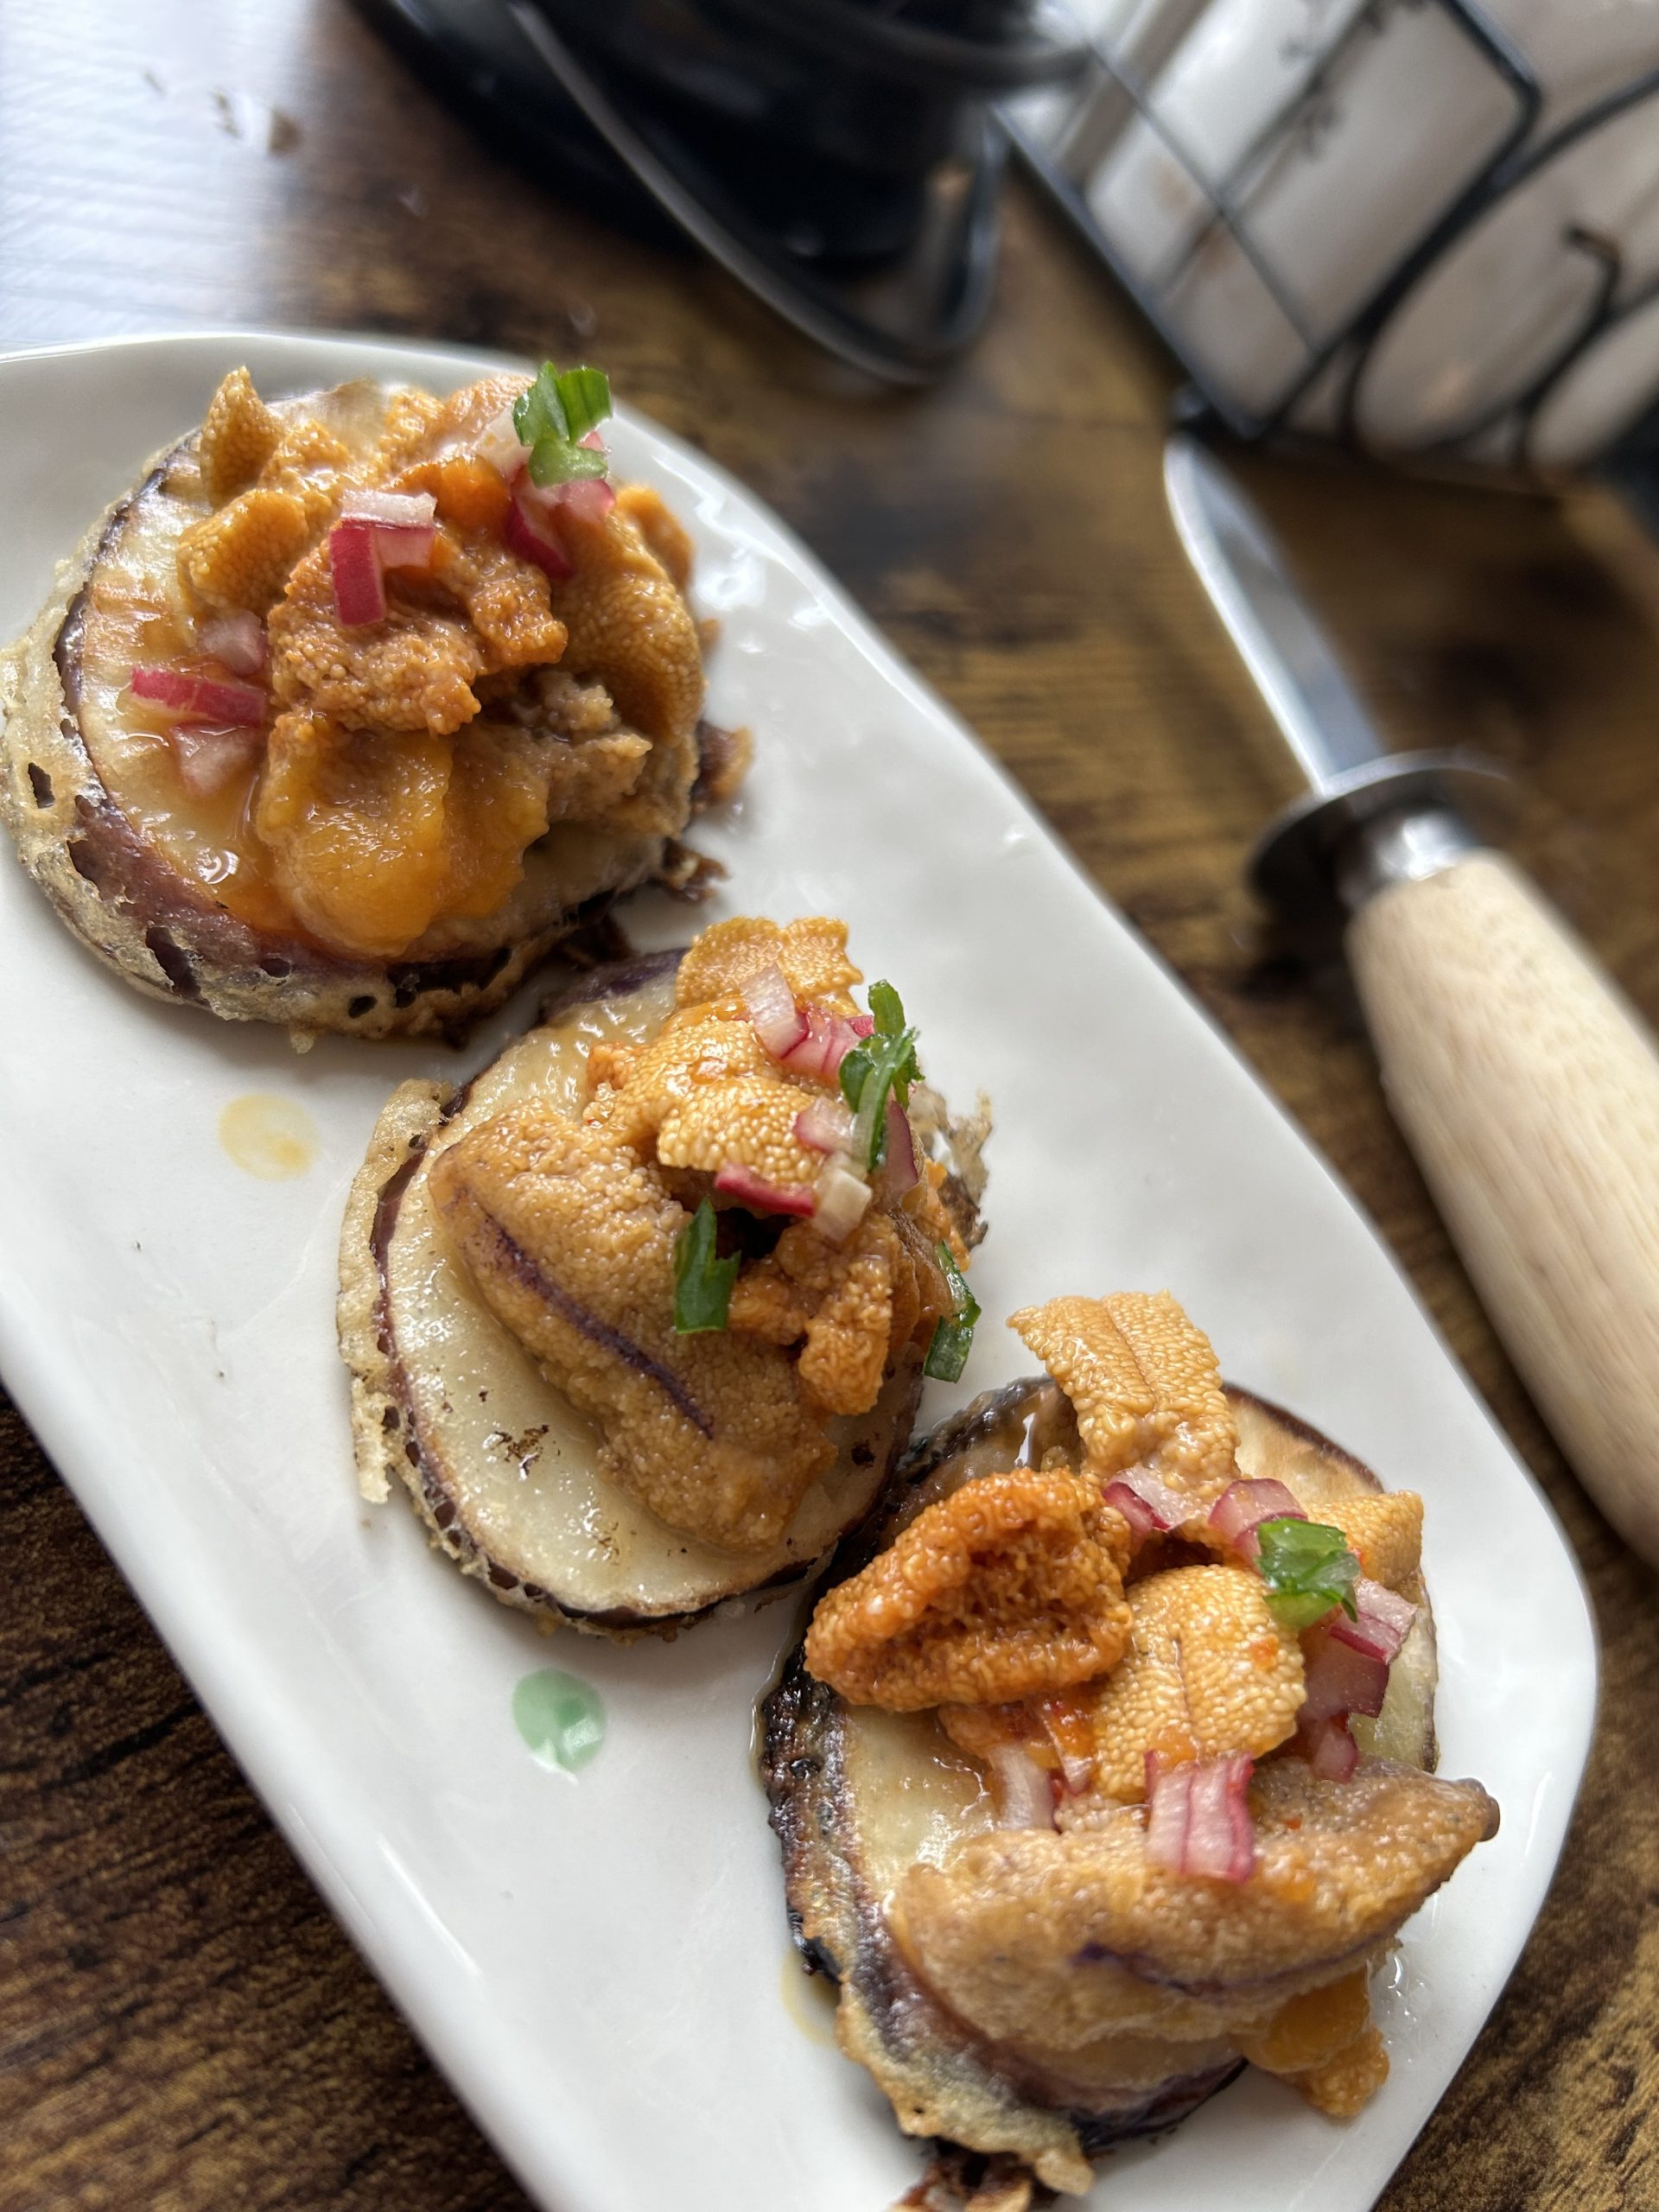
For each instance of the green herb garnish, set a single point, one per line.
(1309, 1569)
(883, 1066)
(952, 1340)
(702, 1282)
(554, 415)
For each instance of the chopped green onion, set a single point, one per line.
(855, 1066)
(539, 412)
(557, 460)
(889, 1010)
(554, 415)
(586, 396)
(952, 1340)
(888, 1007)
(1309, 1569)
(703, 1283)
(888, 1055)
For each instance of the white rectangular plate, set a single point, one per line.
(601, 1963)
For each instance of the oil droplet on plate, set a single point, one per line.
(267, 1136)
(809, 1999)
(560, 1716)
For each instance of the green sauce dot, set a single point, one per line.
(560, 1716)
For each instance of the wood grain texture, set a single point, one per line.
(1531, 1099)
(181, 2026)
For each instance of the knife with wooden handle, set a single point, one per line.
(1525, 1083)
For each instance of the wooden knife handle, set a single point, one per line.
(1528, 1090)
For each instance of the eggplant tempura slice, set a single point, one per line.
(1070, 1872)
(641, 1315)
(348, 710)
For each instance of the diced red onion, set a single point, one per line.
(1243, 1505)
(1198, 1816)
(829, 1039)
(1150, 1507)
(405, 545)
(208, 759)
(355, 567)
(1142, 1520)
(398, 510)
(899, 1172)
(1077, 1767)
(824, 1126)
(1024, 1796)
(201, 698)
(863, 1024)
(237, 638)
(1328, 1747)
(1341, 1680)
(752, 1190)
(842, 1197)
(1169, 1791)
(779, 1022)
(532, 537)
(499, 443)
(593, 442)
(1383, 1624)
(590, 498)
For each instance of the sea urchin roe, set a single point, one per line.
(812, 954)
(570, 1239)
(238, 437)
(1208, 1671)
(1144, 1384)
(1011, 1586)
(1385, 1529)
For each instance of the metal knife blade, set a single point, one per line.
(1526, 1085)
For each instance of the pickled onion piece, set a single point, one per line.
(828, 1039)
(752, 1190)
(499, 444)
(1384, 1621)
(590, 498)
(1243, 1505)
(355, 567)
(900, 1172)
(1328, 1747)
(208, 759)
(532, 537)
(779, 1022)
(237, 638)
(842, 1197)
(1198, 1816)
(1340, 1679)
(824, 1126)
(1025, 1798)
(201, 698)
(1150, 1507)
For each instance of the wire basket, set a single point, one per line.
(1418, 226)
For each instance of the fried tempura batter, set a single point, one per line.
(1145, 1385)
(1062, 1939)
(1011, 1586)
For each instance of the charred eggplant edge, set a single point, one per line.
(386, 1429)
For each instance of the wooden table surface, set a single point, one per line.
(181, 2025)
